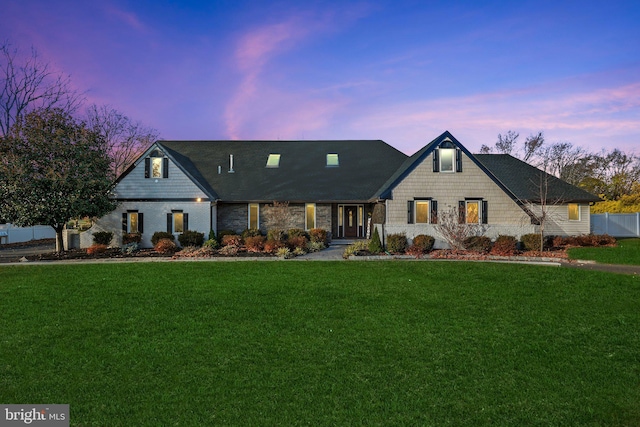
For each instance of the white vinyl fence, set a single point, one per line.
(11, 234)
(616, 225)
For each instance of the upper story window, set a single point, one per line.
(332, 160)
(447, 158)
(273, 161)
(156, 165)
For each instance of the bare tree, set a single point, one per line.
(125, 139)
(27, 83)
(454, 230)
(507, 143)
(532, 146)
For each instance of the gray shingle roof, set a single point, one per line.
(301, 176)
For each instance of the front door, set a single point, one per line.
(350, 221)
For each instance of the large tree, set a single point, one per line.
(28, 83)
(53, 168)
(125, 139)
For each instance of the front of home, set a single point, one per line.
(345, 187)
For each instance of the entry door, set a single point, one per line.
(350, 221)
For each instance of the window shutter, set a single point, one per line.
(147, 167)
(169, 223)
(458, 160)
(485, 212)
(410, 204)
(185, 221)
(165, 168)
(436, 161)
(462, 214)
(434, 212)
(124, 222)
(140, 222)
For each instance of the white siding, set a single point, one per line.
(558, 223)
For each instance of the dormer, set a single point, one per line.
(156, 165)
(447, 158)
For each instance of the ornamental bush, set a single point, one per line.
(211, 244)
(531, 242)
(254, 243)
(231, 240)
(223, 233)
(505, 246)
(424, 242)
(131, 238)
(396, 243)
(191, 238)
(158, 235)
(277, 235)
(319, 235)
(165, 246)
(356, 248)
(102, 237)
(297, 232)
(271, 246)
(375, 246)
(251, 232)
(477, 243)
(96, 248)
(297, 242)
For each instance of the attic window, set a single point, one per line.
(273, 161)
(332, 160)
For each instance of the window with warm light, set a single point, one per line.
(178, 222)
(473, 212)
(574, 212)
(254, 216)
(422, 212)
(310, 216)
(273, 161)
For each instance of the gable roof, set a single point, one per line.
(523, 180)
(302, 174)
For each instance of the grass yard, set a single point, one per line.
(627, 252)
(322, 343)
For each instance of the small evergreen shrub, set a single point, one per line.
(424, 242)
(165, 246)
(254, 243)
(251, 232)
(277, 235)
(211, 244)
(212, 235)
(318, 235)
(158, 235)
(396, 243)
(297, 232)
(356, 248)
(96, 248)
(478, 243)
(231, 240)
(375, 246)
(191, 238)
(102, 237)
(130, 248)
(505, 246)
(131, 238)
(531, 242)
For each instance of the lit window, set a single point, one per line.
(332, 160)
(422, 212)
(178, 222)
(254, 216)
(156, 167)
(473, 212)
(574, 212)
(310, 216)
(360, 216)
(447, 158)
(273, 161)
(133, 222)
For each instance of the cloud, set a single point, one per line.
(130, 19)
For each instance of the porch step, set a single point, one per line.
(345, 242)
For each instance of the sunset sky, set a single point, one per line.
(401, 71)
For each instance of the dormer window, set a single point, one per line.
(156, 165)
(273, 161)
(332, 160)
(447, 158)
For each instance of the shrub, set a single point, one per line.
(605, 239)
(478, 243)
(594, 240)
(223, 233)
(158, 235)
(251, 232)
(531, 242)
(318, 235)
(211, 244)
(505, 246)
(102, 237)
(271, 246)
(299, 251)
(356, 248)
(131, 238)
(396, 243)
(96, 248)
(558, 242)
(284, 253)
(276, 234)
(229, 250)
(194, 252)
(254, 243)
(297, 232)
(212, 235)
(231, 240)
(375, 247)
(130, 248)
(297, 242)
(165, 246)
(315, 246)
(423, 241)
(191, 238)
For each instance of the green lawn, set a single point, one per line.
(322, 343)
(626, 252)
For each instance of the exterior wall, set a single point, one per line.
(235, 216)
(558, 223)
(155, 219)
(177, 185)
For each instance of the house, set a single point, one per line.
(344, 187)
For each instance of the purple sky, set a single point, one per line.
(401, 71)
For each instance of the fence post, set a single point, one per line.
(637, 224)
(606, 223)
